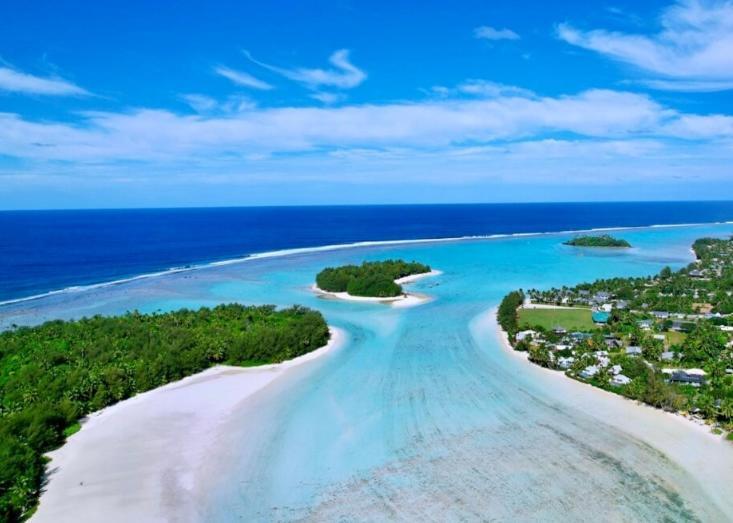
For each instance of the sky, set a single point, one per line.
(164, 104)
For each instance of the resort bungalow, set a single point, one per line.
(660, 315)
(696, 274)
(559, 329)
(589, 372)
(667, 356)
(633, 350)
(620, 379)
(616, 369)
(600, 317)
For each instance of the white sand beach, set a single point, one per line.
(408, 299)
(707, 457)
(143, 458)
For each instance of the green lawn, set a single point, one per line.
(674, 337)
(570, 319)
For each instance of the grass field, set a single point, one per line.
(570, 319)
(674, 337)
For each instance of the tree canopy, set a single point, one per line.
(54, 374)
(603, 240)
(373, 279)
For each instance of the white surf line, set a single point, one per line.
(345, 246)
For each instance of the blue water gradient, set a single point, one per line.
(421, 416)
(45, 251)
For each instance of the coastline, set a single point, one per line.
(407, 299)
(342, 246)
(705, 456)
(143, 458)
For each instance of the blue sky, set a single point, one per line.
(117, 104)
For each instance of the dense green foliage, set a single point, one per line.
(373, 279)
(604, 240)
(507, 313)
(56, 373)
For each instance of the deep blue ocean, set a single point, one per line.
(42, 251)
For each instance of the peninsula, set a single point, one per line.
(603, 240)
(665, 340)
(53, 375)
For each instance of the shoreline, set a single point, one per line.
(404, 300)
(705, 456)
(144, 458)
(504, 339)
(341, 246)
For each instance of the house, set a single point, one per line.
(600, 317)
(616, 369)
(620, 379)
(694, 377)
(696, 274)
(660, 315)
(667, 356)
(603, 361)
(601, 297)
(589, 372)
(622, 304)
(606, 307)
(612, 342)
(644, 324)
(558, 329)
(633, 350)
(581, 336)
(523, 335)
(660, 337)
(565, 363)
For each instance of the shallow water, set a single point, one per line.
(422, 416)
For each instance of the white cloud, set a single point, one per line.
(483, 88)
(692, 52)
(18, 82)
(242, 78)
(328, 98)
(344, 76)
(161, 136)
(207, 105)
(486, 32)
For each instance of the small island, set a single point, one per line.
(603, 240)
(375, 281)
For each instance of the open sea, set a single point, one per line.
(421, 415)
(42, 251)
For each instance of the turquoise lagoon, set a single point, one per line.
(421, 415)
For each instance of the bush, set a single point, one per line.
(507, 313)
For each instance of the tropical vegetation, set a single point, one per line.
(602, 240)
(54, 374)
(372, 279)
